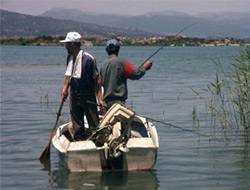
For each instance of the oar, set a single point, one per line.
(45, 156)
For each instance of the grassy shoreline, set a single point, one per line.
(100, 41)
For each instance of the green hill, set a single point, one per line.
(21, 25)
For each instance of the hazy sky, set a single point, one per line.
(132, 7)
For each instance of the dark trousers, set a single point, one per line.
(78, 108)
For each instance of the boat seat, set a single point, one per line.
(79, 145)
(140, 142)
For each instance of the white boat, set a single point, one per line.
(123, 141)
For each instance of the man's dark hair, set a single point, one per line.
(112, 49)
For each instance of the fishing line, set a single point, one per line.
(174, 126)
(183, 129)
(171, 125)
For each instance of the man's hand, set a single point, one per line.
(148, 65)
(64, 94)
(102, 104)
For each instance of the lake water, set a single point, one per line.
(31, 81)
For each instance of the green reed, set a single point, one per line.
(229, 95)
(241, 87)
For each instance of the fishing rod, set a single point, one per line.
(165, 45)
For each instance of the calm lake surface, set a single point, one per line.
(31, 81)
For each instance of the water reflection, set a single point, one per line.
(46, 165)
(244, 161)
(62, 178)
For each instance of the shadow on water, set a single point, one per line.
(62, 178)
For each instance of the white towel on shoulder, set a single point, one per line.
(76, 67)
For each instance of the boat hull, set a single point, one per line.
(82, 161)
(136, 159)
(84, 156)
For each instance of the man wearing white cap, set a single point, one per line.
(83, 78)
(114, 74)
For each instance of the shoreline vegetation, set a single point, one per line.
(150, 41)
(228, 100)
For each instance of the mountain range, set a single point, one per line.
(22, 25)
(59, 21)
(225, 24)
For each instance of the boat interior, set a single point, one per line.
(138, 129)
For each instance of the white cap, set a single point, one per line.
(72, 37)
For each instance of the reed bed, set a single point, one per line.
(228, 97)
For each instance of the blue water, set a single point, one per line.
(31, 82)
